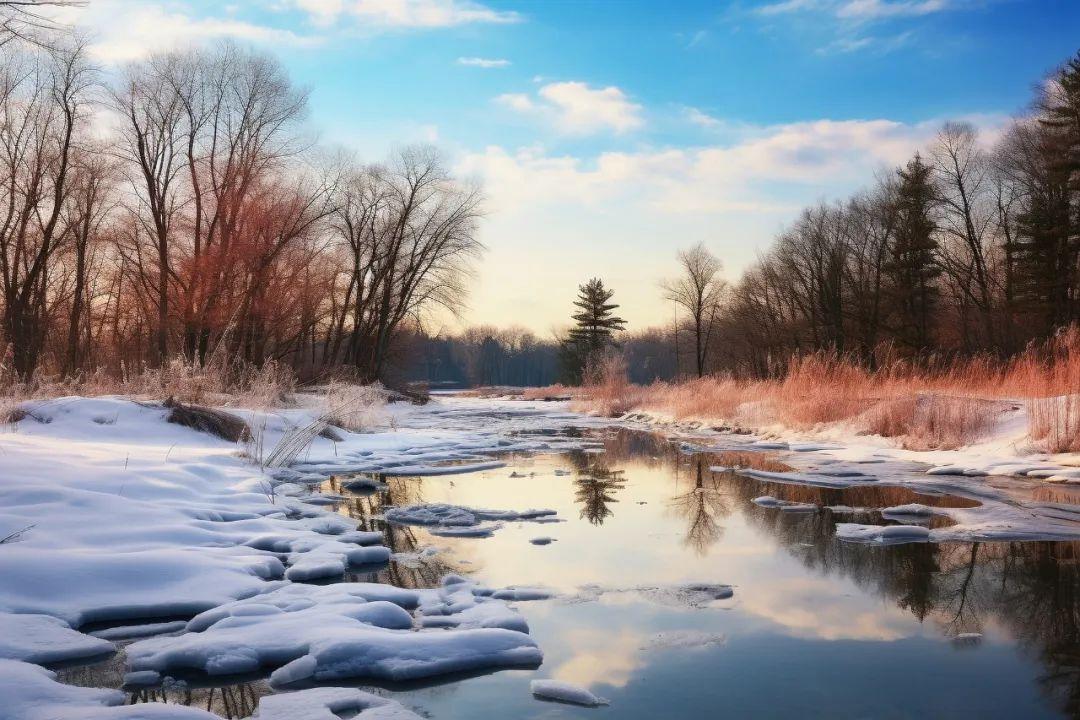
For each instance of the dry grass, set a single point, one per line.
(939, 404)
(356, 408)
(216, 383)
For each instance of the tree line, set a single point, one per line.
(970, 247)
(180, 209)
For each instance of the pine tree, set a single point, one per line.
(913, 265)
(594, 331)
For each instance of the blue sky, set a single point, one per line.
(610, 134)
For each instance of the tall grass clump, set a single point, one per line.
(1053, 375)
(352, 407)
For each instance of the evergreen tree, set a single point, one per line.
(913, 265)
(1044, 249)
(594, 331)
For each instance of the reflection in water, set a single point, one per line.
(597, 492)
(236, 700)
(702, 505)
(687, 523)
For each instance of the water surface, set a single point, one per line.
(815, 628)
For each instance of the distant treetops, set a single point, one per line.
(594, 330)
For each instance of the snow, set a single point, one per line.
(565, 692)
(447, 520)
(331, 703)
(138, 519)
(45, 639)
(456, 515)
(909, 510)
(785, 505)
(346, 630)
(882, 534)
(30, 692)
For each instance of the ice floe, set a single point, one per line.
(331, 703)
(565, 692)
(46, 639)
(785, 505)
(346, 630)
(446, 520)
(30, 692)
(883, 534)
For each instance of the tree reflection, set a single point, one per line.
(367, 508)
(596, 493)
(1030, 589)
(701, 505)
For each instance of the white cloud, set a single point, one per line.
(859, 9)
(483, 62)
(516, 101)
(876, 45)
(697, 117)
(624, 214)
(405, 13)
(876, 9)
(787, 6)
(577, 109)
(121, 32)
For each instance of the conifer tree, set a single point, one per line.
(913, 265)
(594, 331)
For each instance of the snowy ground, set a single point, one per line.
(121, 524)
(113, 516)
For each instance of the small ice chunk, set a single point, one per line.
(946, 470)
(142, 678)
(478, 531)
(967, 639)
(331, 703)
(565, 692)
(522, 593)
(911, 509)
(784, 505)
(885, 534)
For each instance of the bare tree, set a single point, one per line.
(409, 233)
(964, 189)
(30, 21)
(43, 100)
(699, 291)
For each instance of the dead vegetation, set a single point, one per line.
(935, 405)
(208, 420)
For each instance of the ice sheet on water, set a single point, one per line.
(443, 515)
(331, 703)
(565, 692)
(883, 534)
(785, 505)
(30, 692)
(909, 510)
(46, 639)
(684, 640)
(346, 630)
(691, 595)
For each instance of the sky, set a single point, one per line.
(610, 134)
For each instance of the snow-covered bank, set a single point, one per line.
(1003, 472)
(113, 515)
